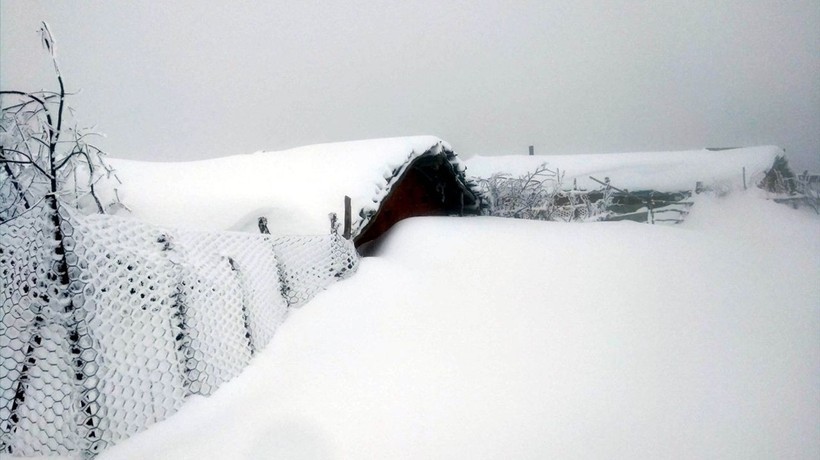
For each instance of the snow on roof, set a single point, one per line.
(294, 189)
(663, 171)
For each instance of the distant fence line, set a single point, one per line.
(542, 195)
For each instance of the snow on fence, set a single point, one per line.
(541, 195)
(108, 324)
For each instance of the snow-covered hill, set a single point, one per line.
(490, 338)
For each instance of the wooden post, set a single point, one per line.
(263, 225)
(532, 150)
(744, 178)
(347, 218)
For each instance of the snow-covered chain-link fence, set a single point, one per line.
(109, 324)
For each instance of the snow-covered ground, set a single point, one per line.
(490, 338)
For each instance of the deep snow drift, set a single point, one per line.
(294, 189)
(490, 338)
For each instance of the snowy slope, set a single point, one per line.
(295, 189)
(488, 338)
(664, 171)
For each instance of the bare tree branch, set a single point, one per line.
(15, 182)
(27, 161)
(44, 153)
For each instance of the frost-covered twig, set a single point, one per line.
(40, 151)
(540, 195)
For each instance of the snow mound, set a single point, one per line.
(502, 338)
(663, 171)
(294, 189)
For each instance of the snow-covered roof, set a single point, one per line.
(294, 189)
(664, 171)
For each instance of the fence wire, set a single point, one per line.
(109, 324)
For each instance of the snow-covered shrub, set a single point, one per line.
(44, 155)
(810, 190)
(540, 195)
(785, 187)
(780, 178)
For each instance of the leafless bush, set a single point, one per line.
(539, 195)
(43, 154)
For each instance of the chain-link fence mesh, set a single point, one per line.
(109, 324)
(306, 267)
(35, 352)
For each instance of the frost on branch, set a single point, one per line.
(43, 153)
(540, 195)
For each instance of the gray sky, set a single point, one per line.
(199, 79)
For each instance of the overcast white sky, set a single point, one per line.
(199, 79)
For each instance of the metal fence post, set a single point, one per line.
(347, 218)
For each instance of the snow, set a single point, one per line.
(492, 338)
(663, 171)
(295, 189)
